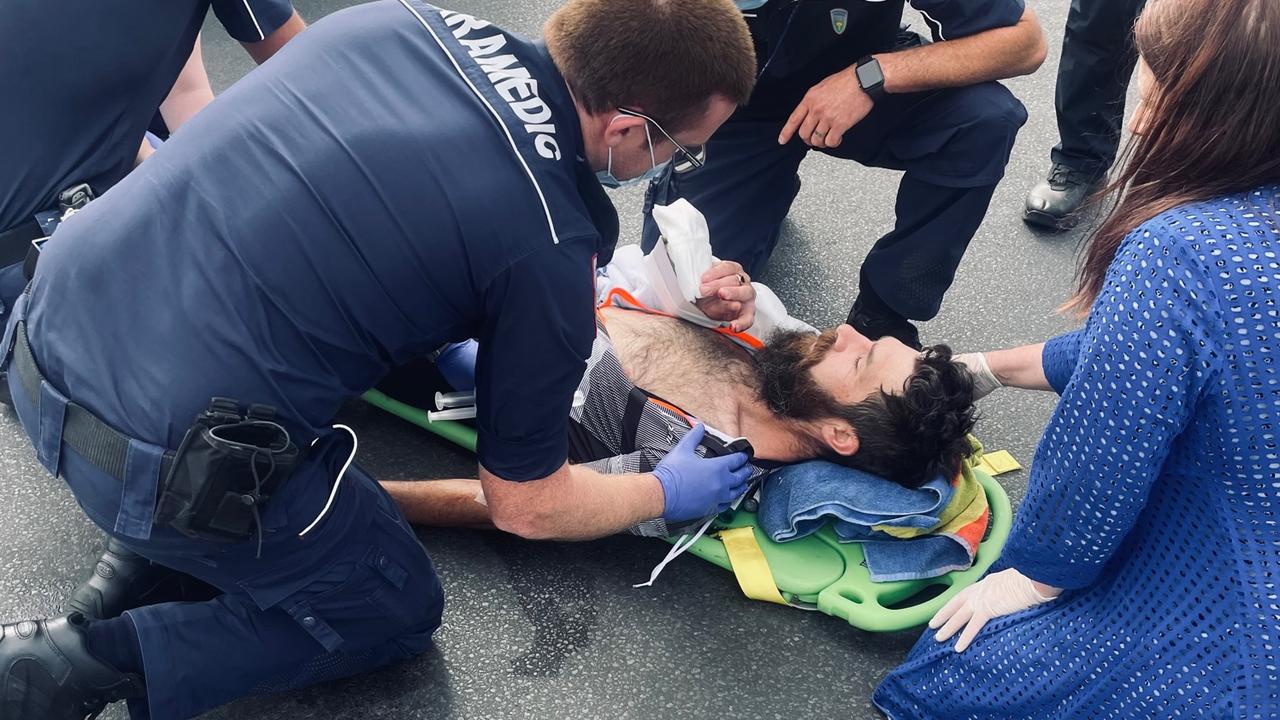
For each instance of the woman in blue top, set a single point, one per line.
(1142, 577)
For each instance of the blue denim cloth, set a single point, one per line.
(798, 500)
(357, 593)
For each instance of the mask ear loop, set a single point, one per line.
(653, 157)
(355, 445)
(608, 166)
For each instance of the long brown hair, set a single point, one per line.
(1212, 119)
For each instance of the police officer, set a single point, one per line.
(398, 177)
(1098, 56)
(829, 80)
(80, 83)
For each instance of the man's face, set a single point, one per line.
(631, 154)
(853, 367)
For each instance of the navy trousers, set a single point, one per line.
(1098, 56)
(952, 144)
(357, 593)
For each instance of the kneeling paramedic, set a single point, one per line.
(283, 251)
(81, 84)
(830, 80)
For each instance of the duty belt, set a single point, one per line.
(15, 243)
(82, 431)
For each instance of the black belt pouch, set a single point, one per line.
(226, 469)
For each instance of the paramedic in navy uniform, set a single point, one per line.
(80, 83)
(831, 80)
(398, 177)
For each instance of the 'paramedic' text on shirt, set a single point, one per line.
(509, 78)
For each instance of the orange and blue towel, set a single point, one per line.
(906, 534)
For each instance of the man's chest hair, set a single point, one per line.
(691, 366)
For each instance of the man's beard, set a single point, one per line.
(787, 386)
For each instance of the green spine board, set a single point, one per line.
(820, 572)
(817, 572)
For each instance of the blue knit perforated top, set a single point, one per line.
(1154, 498)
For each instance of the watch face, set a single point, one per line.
(869, 75)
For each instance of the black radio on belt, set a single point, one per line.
(228, 465)
(74, 198)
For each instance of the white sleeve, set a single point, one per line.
(772, 316)
(626, 272)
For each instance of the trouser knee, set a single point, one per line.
(972, 147)
(416, 600)
(997, 116)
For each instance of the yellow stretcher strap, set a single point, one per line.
(749, 565)
(998, 463)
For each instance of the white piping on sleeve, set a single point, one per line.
(254, 18)
(506, 131)
(937, 26)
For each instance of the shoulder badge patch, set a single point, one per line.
(839, 20)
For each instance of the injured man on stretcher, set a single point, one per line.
(659, 366)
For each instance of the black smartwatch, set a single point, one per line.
(870, 77)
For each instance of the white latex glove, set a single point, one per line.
(985, 382)
(1002, 593)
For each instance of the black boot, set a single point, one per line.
(123, 580)
(47, 672)
(874, 319)
(1053, 202)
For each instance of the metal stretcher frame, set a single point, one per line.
(816, 572)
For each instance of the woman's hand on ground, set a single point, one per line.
(995, 595)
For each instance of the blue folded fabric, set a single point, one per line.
(798, 500)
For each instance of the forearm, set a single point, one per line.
(441, 503)
(990, 55)
(575, 503)
(1020, 367)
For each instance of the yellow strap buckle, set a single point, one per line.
(998, 463)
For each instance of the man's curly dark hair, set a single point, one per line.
(909, 437)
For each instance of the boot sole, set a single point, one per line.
(1048, 221)
(31, 692)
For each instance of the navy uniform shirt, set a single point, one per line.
(395, 178)
(801, 42)
(80, 82)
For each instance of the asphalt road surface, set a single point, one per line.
(555, 630)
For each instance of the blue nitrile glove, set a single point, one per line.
(695, 487)
(457, 363)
